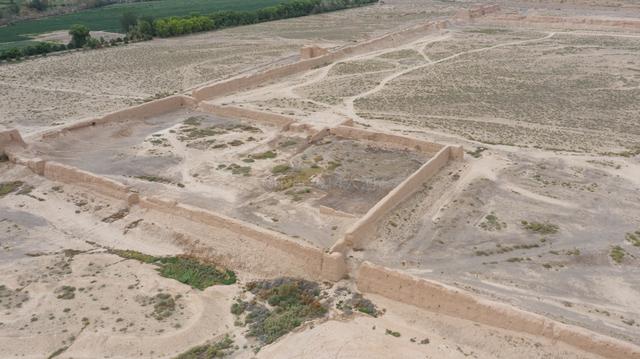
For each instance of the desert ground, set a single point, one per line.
(542, 214)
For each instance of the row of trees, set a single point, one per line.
(80, 38)
(145, 28)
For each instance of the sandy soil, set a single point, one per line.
(59, 89)
(547, 116)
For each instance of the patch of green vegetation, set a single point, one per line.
(239, 170)
(297, 195)
(264, 155)
(291, 303)
(633, 238)
(541, 228)
(163, 306)
(617, 254)
(477, 153)
(297, 177)
(278, 169)
(218, 349)
(358, 303)
(107, 18)
(57, 352)
(9, 187)
(184, 269)
(129, 254)
(288, 143)
(159, 179)
(492, 223)
(193, 121)
(238, 307)
(392, 333)
(66, 292)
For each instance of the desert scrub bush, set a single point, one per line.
(291, 303)
(66, 292)
(164, 305)
(541, 228)
(477, 153)
(392, 333)
(184, 269)
(239, 170)
(617, 254)
(218, 349)
(492, 223)
(279, 169)
(359, 303)
(633, 238)
(159, 179)
(297, 177)
(264, 155)
(9, 187)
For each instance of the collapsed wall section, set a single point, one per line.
(142, 111)
(436, 297)
(10, 138)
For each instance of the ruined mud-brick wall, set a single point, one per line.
(439, 298)
(10, 138)
(477, 11)
(365, 227)
(309, 52)
(303, 260)
(584, 21)
(142, 111)
(249, 81)
(243, 113)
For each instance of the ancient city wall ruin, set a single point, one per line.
(365, 226)
(244, 82)
(303, 260)
(237, 112)
(438, 298)
(578, 21)
(142, 111)
(9, 138)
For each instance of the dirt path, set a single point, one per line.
(349, 102)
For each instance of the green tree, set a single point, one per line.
(79, 35)
(128, 21)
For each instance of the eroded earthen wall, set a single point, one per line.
(365, 227)
(142, 111)
(237, 112)
(438, 298)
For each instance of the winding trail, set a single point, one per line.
(349, 102)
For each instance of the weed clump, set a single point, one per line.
(492, 223)
(264, 155)
(392, 333)
(184, 269)
(633, 238)
(66, 292)
(617, 254)
(358, 303)
(279, 169)
(541, 228)
(219, 349)
(291, 302)
(9, 187)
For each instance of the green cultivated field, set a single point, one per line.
(108, 18)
